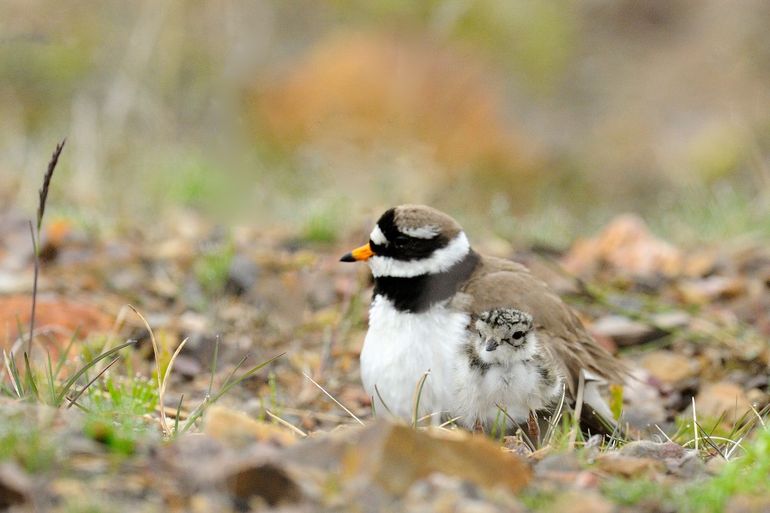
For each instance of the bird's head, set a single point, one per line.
(412, 240)
(504, 328)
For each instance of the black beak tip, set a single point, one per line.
(347, 258)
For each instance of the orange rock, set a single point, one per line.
(57, 318)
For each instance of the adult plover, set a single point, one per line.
(428, 287)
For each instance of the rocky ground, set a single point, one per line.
(298, 434)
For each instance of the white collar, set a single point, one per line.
(438, 262)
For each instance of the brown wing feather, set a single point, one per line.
(498, 283)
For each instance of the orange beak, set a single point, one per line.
(363, 253)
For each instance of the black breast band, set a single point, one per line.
(418, 293)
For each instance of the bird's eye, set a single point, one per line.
(401, 240)
(518, 335)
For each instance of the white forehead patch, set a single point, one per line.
(377, 236)
(423, 232)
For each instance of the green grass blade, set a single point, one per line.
(70, 382)
(63, 356)
(29, 377)
(50, 377)
(230, 384)
(176, 418)
(91, 382)
(234, 370)
(196, 413)
(213, 366)
(524, 435)
(36, 254)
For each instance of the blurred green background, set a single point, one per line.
(532, 120)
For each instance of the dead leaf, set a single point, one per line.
(625, 245)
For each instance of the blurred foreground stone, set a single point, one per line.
(747, 504)
(14, 486)
(234, 428)
(393, 457)
(581, 502)
(379, 466)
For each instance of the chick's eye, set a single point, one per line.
(518, 335)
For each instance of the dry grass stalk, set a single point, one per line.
(35, 235)
(286, 423)
(47, 182)
(156, 351)
(417, 395)
(322, 389)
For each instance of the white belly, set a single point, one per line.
(400, 347)
(514, 388)
(512, 384)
